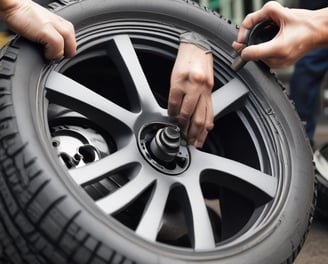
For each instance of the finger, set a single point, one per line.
(198, 121)
(238, 46)
(262, 51)
(53, 43)
(199, 143)
(248, 23)
(66, 29)
(188, 108)
(242, 35)
(176, 96)
(209, 124)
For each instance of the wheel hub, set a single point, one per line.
(77, 146)
(163, 147)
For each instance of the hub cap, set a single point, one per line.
(161, 145)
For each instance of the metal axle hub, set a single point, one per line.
(166, 143)
(163, 147)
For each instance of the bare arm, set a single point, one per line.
(36, 23)
(190, 99)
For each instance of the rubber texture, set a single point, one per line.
(41, 219)
(322, 201)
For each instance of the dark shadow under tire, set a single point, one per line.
(246, 197)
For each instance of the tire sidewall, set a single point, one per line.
(271, 245)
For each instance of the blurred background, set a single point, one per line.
(315, 250)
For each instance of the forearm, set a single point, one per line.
(320, 28)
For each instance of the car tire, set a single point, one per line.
(321, 163)
(253, 197)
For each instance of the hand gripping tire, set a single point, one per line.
(79, 179)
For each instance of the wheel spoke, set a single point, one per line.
(252, 177)
(102, 168)
(151, 219)
(126, 194)
(203, 233)
(226, 97)
(121, 50)
(68, 92)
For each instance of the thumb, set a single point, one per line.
(54, 45)
(260, 51)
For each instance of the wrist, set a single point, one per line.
(320, 27)
(196, 39)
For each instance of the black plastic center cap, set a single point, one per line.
(166, 143)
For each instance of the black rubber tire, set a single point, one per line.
(322, 201)
(320, 160)
(43, 218)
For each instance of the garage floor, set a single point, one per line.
(315, 249)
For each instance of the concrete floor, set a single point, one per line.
(315, 249)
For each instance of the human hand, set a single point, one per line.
(190, 100)
(38, 24)
(299, 34)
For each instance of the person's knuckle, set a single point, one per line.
(181, 73)
(184, 114)
(67, 29)
(209, 125)
(54, 39)
(271, 5)
(70, 26)
(199, 77)
(54, 43)
(210, 82)
(43, 32)
(249, 19)
(272, 8)
(199, 122)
